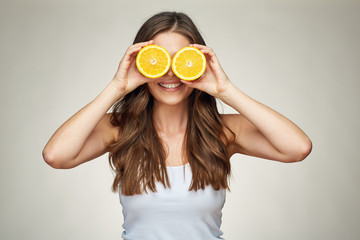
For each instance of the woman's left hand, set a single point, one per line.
(214, 80)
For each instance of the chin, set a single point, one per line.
(171, 100)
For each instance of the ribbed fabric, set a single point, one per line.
(174, 213)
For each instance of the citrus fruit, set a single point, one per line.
(153, 61)
(189, 63)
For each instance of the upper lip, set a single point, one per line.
(169, 82)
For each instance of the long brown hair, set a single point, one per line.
(138, 157)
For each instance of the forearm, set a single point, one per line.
(283, 134)
(67, 142)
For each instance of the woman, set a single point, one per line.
(167, 143)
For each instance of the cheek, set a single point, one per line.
(151, 87)
(189, 90)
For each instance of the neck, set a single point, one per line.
(170, 118)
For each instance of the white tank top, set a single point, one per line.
(174, 213)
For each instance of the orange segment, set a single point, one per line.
(189, 63)
(153, 61)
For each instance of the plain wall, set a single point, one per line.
(300, 58)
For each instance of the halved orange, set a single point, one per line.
(189, 63)
(153, 61)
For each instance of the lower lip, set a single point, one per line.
(171, 89)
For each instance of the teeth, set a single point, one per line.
(170, 85)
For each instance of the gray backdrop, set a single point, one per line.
(299, 57)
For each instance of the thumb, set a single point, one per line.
(188, 83)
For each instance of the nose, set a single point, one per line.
(170, 73)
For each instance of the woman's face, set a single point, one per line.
(168, 89)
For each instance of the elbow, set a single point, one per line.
(305, 150)
(51, 160)
(301, 152)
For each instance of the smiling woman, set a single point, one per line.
(168, 145)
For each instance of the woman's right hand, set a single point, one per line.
(128, 77)
(88, 133)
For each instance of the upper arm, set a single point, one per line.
(249, 140)
(97, 143)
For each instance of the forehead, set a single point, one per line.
(171, 41)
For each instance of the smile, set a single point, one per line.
(170, 85)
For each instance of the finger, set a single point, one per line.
(189, 83)
(192, 84)
(141, 44)
(204, 49)
(133, 50)
(199, 46)
(208, 53)
(137, 46)
(211, 56)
